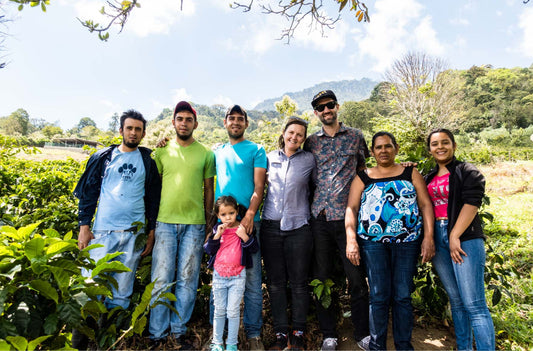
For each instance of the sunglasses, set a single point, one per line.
(330, 105)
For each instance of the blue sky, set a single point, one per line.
(210, 54)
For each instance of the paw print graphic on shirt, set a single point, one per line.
(127, 171)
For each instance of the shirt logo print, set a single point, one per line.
(127, 171)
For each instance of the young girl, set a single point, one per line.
(456, 189)
(230, 249)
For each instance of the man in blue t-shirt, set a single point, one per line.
(241, 171)
(122, 184)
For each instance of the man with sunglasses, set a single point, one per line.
(339, 152)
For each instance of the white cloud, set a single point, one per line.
(223, 100)
(526, 24)
(154, 16)
(180, 95)
(460, 21)
(331, 40)
(395, 28)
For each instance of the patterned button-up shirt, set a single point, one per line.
(336, 158)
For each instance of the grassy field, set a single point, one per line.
(510, 188)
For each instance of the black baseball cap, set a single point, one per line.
(321, 95)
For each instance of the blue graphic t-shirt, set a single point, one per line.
(389, 210)
(122, 195)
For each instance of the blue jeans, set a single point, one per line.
(253, 295)
(227, 295)
(118, 241)
(177, 256)
(390, 269)
(466, 290)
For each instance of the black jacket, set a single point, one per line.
(467, 186)
(90, 183)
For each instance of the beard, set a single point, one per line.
(131, 145)
(234, 135)
(332, 120)
(184, 137)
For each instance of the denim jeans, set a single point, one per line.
(177, 256)
(466, 290)
(287, 259)
(253, 295)
(227, 295)
(390, 269)
(330, 245)
(118, 241)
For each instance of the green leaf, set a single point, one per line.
(114, 266)
(3, 296)
(45, 288)
(21, 7)
(68, 236)
(62, 278)
(144, 304)
(59, 247)
(108, 257)
(19, 342)
(4, 345)
(43, 6)
(69, 313)
(11, 232)
(50, 324)
(496, 296)
(140, 325)
(51, 233)
(34, 248)
(36, 342)
(26, 231)
(318, 291)
(93, 307)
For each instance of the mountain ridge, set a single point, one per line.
(345, 90)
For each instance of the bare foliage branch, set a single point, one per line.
(298, 12)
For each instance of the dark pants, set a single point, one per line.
(330, 245)
(287, 259)
(391, 268)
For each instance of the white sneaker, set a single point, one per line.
(329, 344)
(364, 343)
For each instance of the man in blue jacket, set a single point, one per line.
(123, 182)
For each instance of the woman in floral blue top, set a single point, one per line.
(387, 207)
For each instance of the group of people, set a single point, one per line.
(322, 206)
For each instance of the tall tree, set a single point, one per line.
(423, 95)
(85, 122)
(17, 123)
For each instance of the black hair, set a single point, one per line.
(239, 110)
(292, 120)
(382, 133)
(440, 130)
(134, 115)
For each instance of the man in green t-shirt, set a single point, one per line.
(187, 170)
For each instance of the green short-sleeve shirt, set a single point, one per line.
(183, 170)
